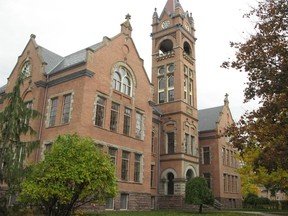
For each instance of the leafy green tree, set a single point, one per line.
(264, 57)
(75, 172)
(198, 193)
(14, 123)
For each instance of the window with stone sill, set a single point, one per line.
(100, 111)
(139, 125)
(137, 167)
(66, 108)
(114, 117)
(127, 121)
(53, 112)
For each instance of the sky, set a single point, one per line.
(66, 26)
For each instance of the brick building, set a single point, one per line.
(150, 129)
(217, 162)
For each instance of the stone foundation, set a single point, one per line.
(229, 203)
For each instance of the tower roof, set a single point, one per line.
(171, 5)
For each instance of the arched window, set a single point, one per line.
(187, 48)
(126, 86)
(116, 81)
(26, 69)
(166, 46)
(171, 81)
(189, 174)
(170, 183)
(122, 80)
(161, 83)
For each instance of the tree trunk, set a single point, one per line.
(200, 208)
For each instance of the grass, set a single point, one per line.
(171, 213)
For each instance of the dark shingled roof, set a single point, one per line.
(208, 118)
(2, 89)
(52, 59)
(57, 63)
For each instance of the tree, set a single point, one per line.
(198, 193)
(75, 172)
(264, 57)
(14, 123)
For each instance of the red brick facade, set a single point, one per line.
(218, 163)
(149, 129)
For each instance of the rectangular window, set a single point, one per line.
(231, 158)
(152, 176)
(223, 156)
(193, 152)
(191, 92)
(29, 106)
(236, 184)
(123, 201)
(185, 88)
(171, 95)
(227, 157)
(114, 117)
(48, 147)
(66, 109)
(152, 202)
(137, 167)
(207, 177)
(152, 142)
(112, 153)
(53, 112)
(100, 111)
(109, 203)
(127, 121)
(161, 97)
(139, 125)
(125, 166)
(229, 183)
(186, 142)
(170, 142)
(225, 182)
(206, 155)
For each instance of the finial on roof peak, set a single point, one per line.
(128, 17)
(33, 36)
(126, 27)
(226, 101)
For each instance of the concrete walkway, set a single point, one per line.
(264, 213)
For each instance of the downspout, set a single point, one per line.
(158, 168)
(42, 117)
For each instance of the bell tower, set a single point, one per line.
(174, 79)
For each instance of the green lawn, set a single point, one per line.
(171, 213)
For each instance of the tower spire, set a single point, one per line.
(171, 5)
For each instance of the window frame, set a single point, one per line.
(122, 80)
(53, 111)
(114, 117)
(139, 127)
(127, 121)
(206, 155)
(137, 167)
(170, 142)
(66, 109)
(125, 166)
(100, 110)
(124, 200)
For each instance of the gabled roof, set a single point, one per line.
(57, 63)
(208, 118)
